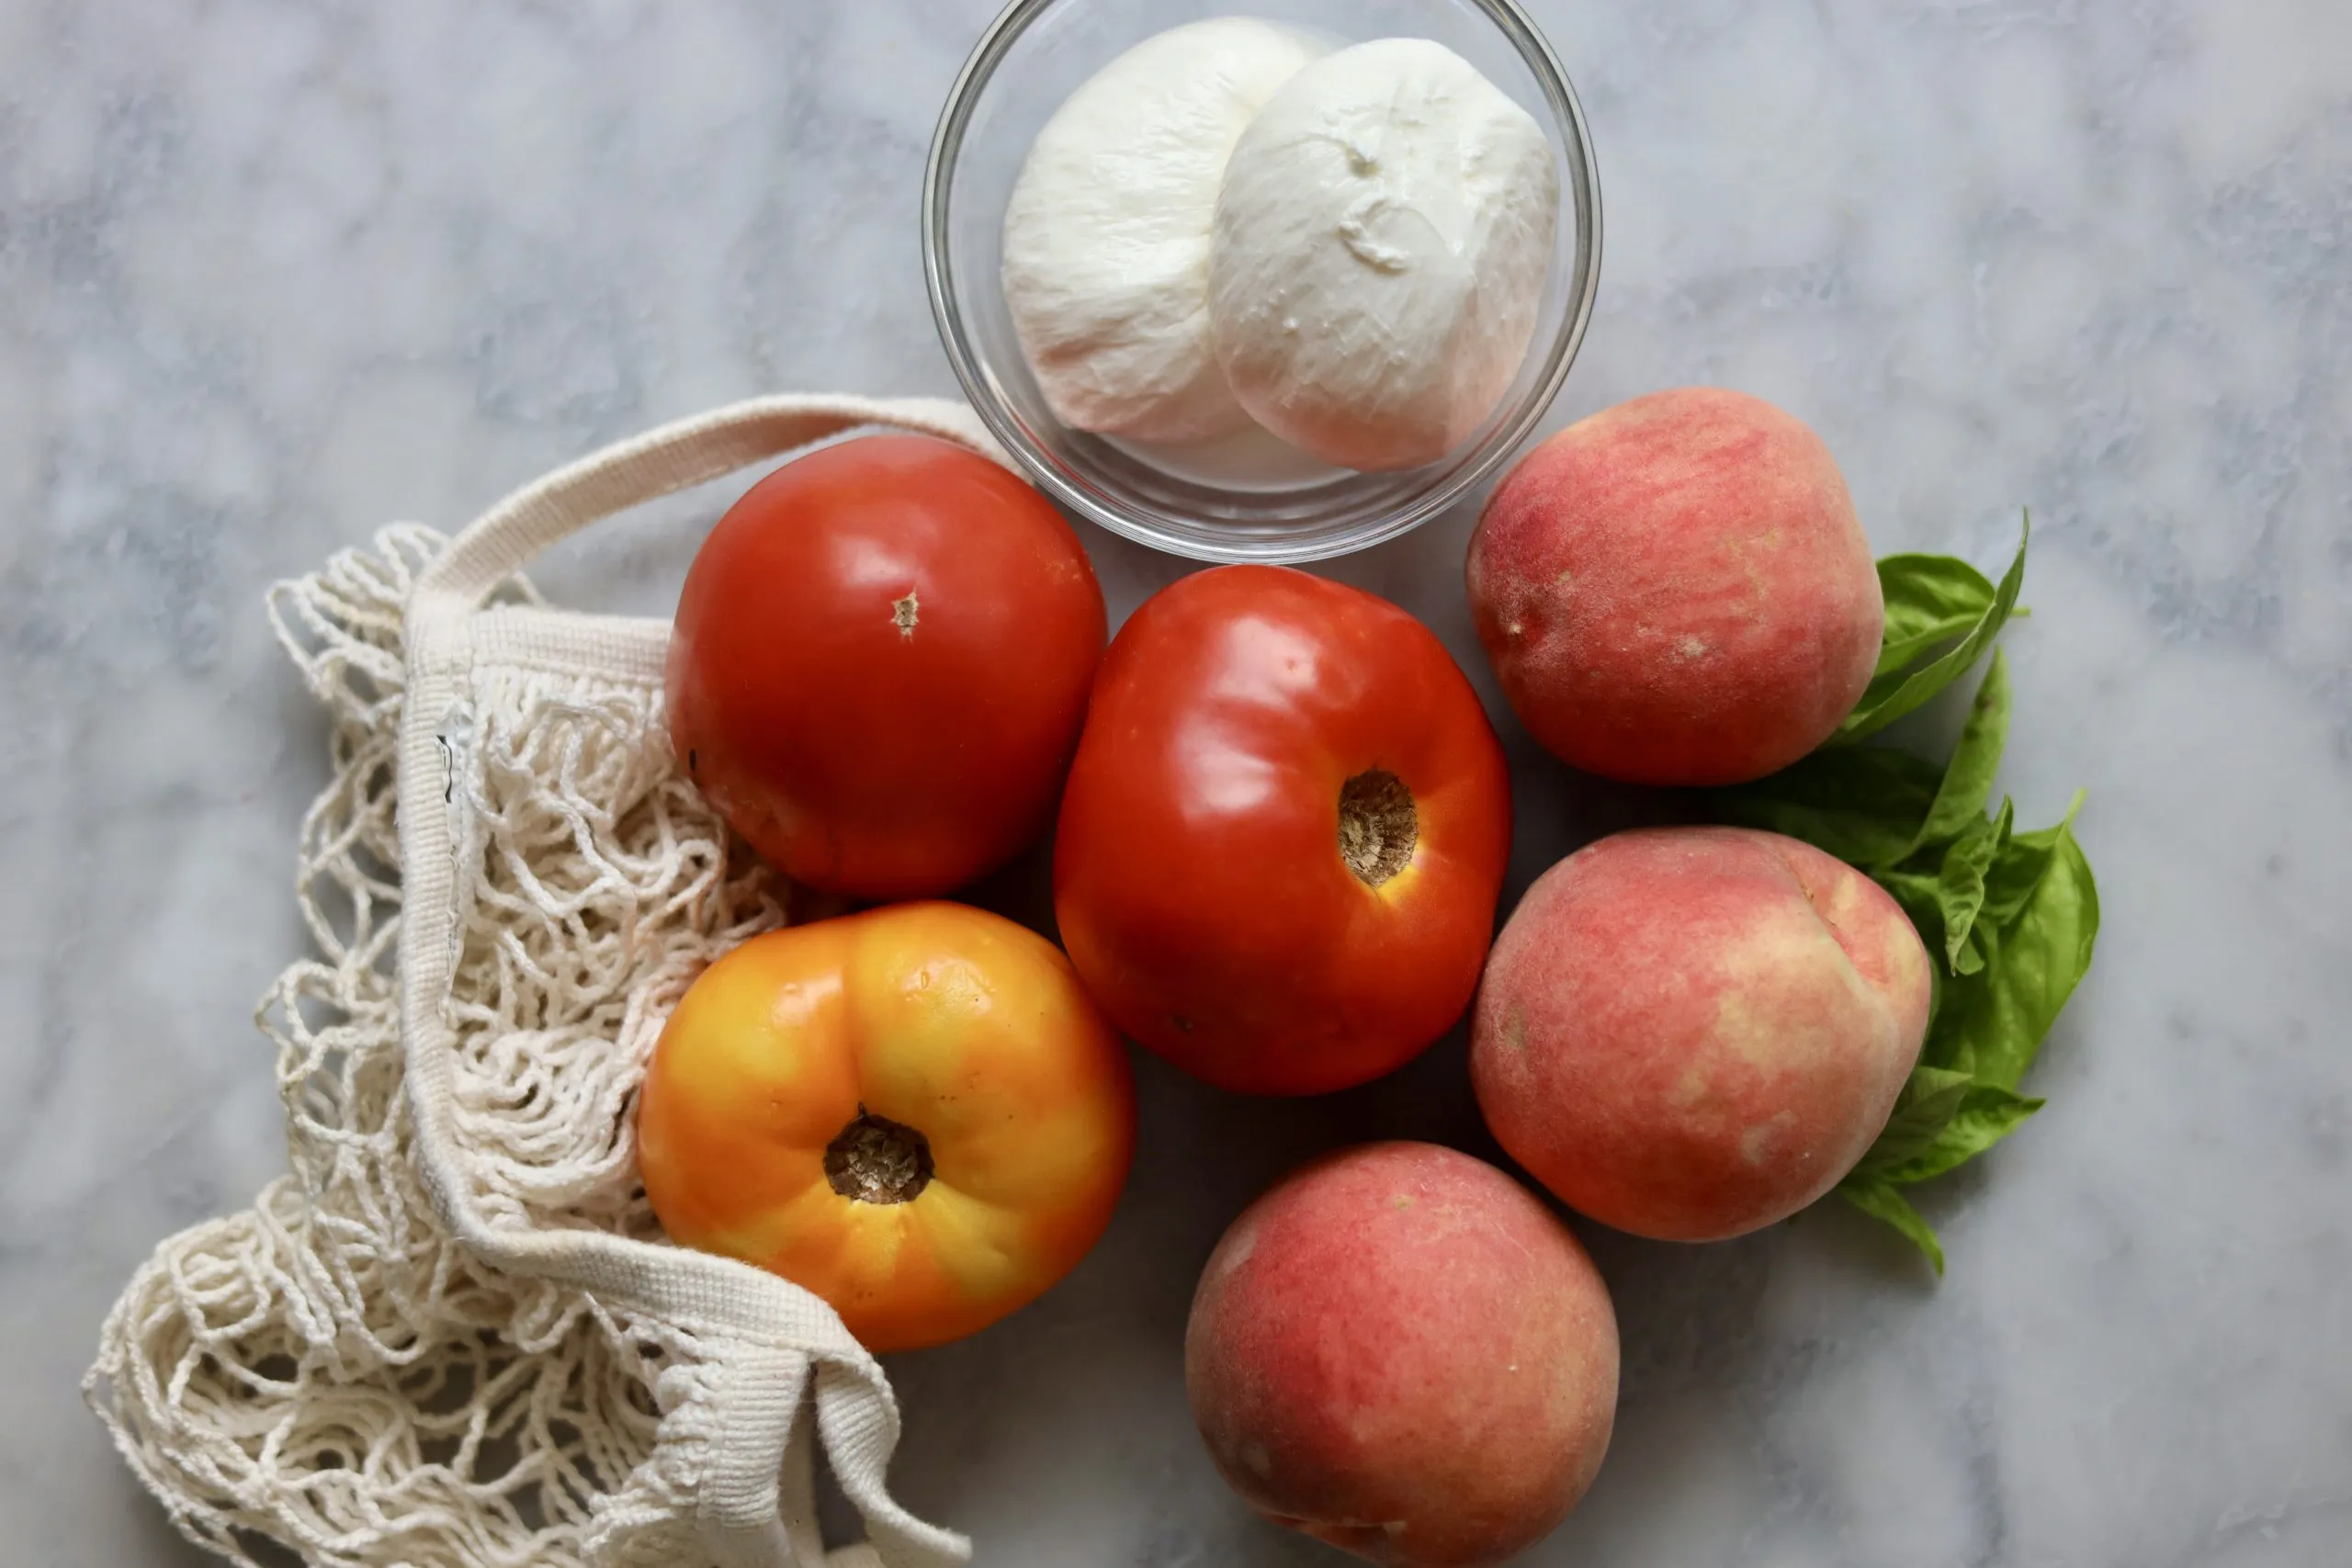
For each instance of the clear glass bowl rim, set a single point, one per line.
(938, 183)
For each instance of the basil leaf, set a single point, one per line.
(1863, 803)
(1892, 695)
(1986, 1115)
(1929, 1099)
(1881, 1201)
(1960, 886)
(1929, 599)
(2018, 870)
(1991, 1024)
(1968, 777)
(2015, 914)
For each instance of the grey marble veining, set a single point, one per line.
(271, 274)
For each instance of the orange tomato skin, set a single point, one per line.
(1198, 878)
(970, 1030)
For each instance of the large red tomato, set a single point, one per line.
(880, 665)
(1284, 833)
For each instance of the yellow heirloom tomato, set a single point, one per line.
(916, 1113)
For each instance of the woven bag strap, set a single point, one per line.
(775, 1350)
(661, 462)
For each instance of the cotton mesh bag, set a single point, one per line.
(453, 1334)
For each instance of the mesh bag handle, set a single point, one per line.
(661, 462)
(774, 1348)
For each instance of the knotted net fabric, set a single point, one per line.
(451, 1333)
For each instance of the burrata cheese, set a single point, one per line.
(1381, 240)
(1106, 236)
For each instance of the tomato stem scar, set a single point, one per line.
(1378, 826)
(877, 1160)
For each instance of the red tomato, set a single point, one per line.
(880, 665)
(1284, 833)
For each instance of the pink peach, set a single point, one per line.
(1690, 1033)
(1676, 591)
(1400, 1351)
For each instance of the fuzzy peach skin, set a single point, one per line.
(1400, 1351)
(1690, 1033)
(1675, 591)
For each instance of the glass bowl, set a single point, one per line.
(1034, 56)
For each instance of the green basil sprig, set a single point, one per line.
(2010, 918)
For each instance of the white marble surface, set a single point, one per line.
(273, 273)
